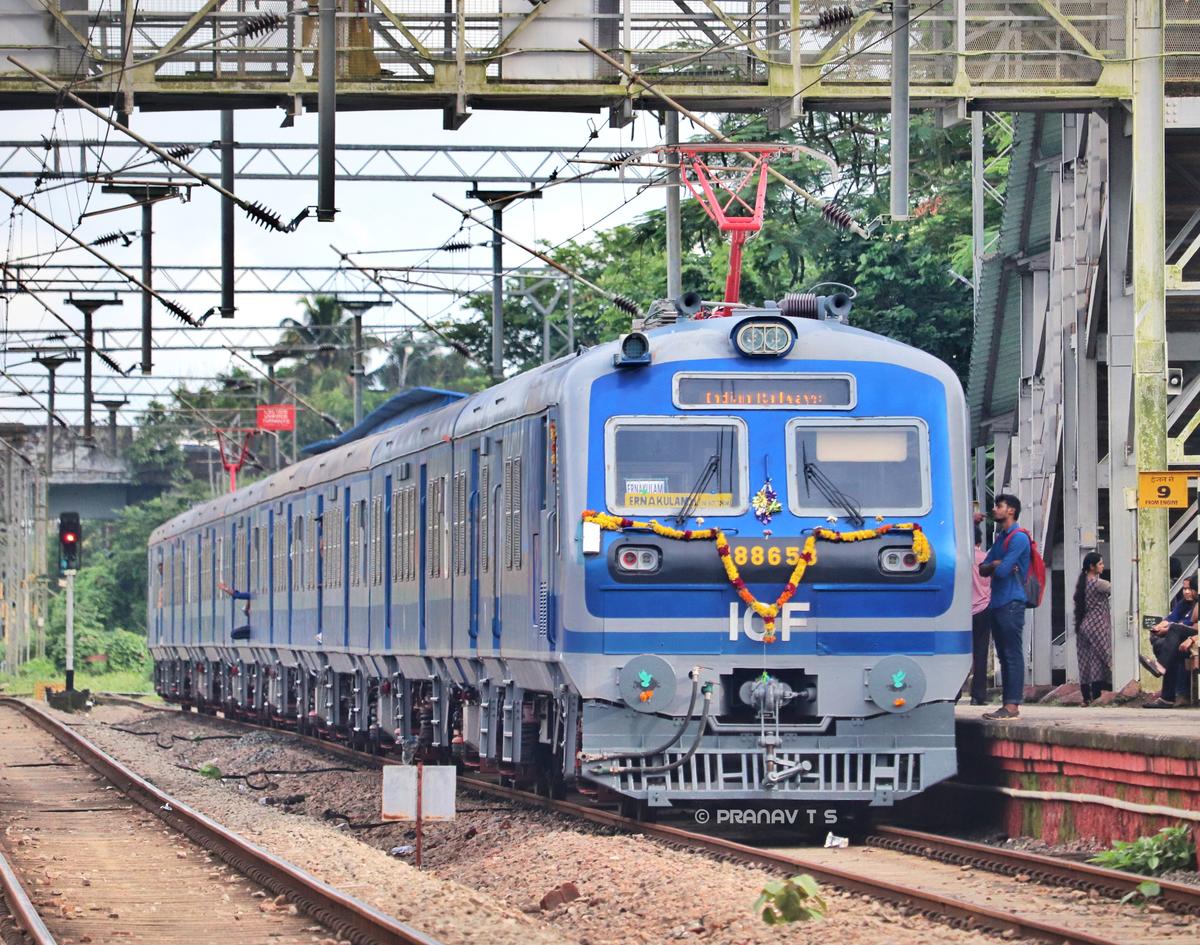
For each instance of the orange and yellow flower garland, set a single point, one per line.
(768, 612)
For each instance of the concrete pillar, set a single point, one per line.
(1122, 468)
(1150, 325)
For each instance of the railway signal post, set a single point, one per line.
(70, 576)
(69, 536)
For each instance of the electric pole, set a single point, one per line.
(497, 200)
(358, 369)
(112, 406)
(145, 196)
(88, 307)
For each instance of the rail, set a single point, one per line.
(349, 917)
(20, 907)
(1174, 897)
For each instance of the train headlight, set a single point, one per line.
(638, 558)
(757, 338)
(898, 561)
(633, 350)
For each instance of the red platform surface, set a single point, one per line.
(1066, 773)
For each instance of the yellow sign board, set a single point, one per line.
(673, 500)
(1163, 490)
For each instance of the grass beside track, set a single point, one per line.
(25, 680)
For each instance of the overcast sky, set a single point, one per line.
(371, 216)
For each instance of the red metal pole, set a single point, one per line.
(733, 282)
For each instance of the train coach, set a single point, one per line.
(720, 560)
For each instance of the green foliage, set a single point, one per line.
(22, 683)
(909, 276)
(1141, 895)
(1169, 849)
(210, 770)
(127, 651)
(38, 668)
(797, 899)
(111, 588)
(156, 442)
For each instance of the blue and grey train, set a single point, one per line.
(432, 586)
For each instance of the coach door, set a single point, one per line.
(254, 568)
(318, 578)
(473, 556)
(422, 552)
(387, 539)
(497, 529)
(272, 581)
(545, 540)
(233, 581)
(159, 593)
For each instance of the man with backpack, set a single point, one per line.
(1007, 564)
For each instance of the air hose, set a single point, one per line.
(670, 743)
(664, 768)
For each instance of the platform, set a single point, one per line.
(1065, 773)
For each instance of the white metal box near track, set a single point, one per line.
(438, 784)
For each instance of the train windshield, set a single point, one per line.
(880, 466)
(662, 464)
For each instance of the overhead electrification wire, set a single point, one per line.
(79, 65)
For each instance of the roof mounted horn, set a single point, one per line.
(688, 304)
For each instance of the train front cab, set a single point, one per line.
(852, 702)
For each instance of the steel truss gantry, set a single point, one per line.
(191, 279)
(1070, 382)
(95, 159)
(715, 54)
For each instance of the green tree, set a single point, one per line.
(111, 587)
(904, 274)
(324, 327)
(424, 360)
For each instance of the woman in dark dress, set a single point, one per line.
(1093, 627)
(1171, 646)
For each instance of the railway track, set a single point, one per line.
(95, 853)
(1022, 895)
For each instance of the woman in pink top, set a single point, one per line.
(981, 625)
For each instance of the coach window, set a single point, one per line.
(880, 466)
(361, 550)
(659, 464)
(298, 553)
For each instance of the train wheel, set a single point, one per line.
(855, 823)
(548, 774)
(631, 808)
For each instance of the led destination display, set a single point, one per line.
(764, 391)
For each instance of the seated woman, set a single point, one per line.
(1182, 614)
(1172, 646)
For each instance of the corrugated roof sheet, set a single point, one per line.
(1025, 230)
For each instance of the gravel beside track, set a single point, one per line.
(631, 889)
(1075, 909)
(101, 869)
(450, 912)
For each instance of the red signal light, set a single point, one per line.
(70, 537)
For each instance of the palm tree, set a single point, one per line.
(327, 331)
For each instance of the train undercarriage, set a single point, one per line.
(553, 740)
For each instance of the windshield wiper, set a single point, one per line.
(829, 489)
(710, 470)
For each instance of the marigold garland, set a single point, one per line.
(808, 557)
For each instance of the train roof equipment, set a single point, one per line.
(392, 412)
